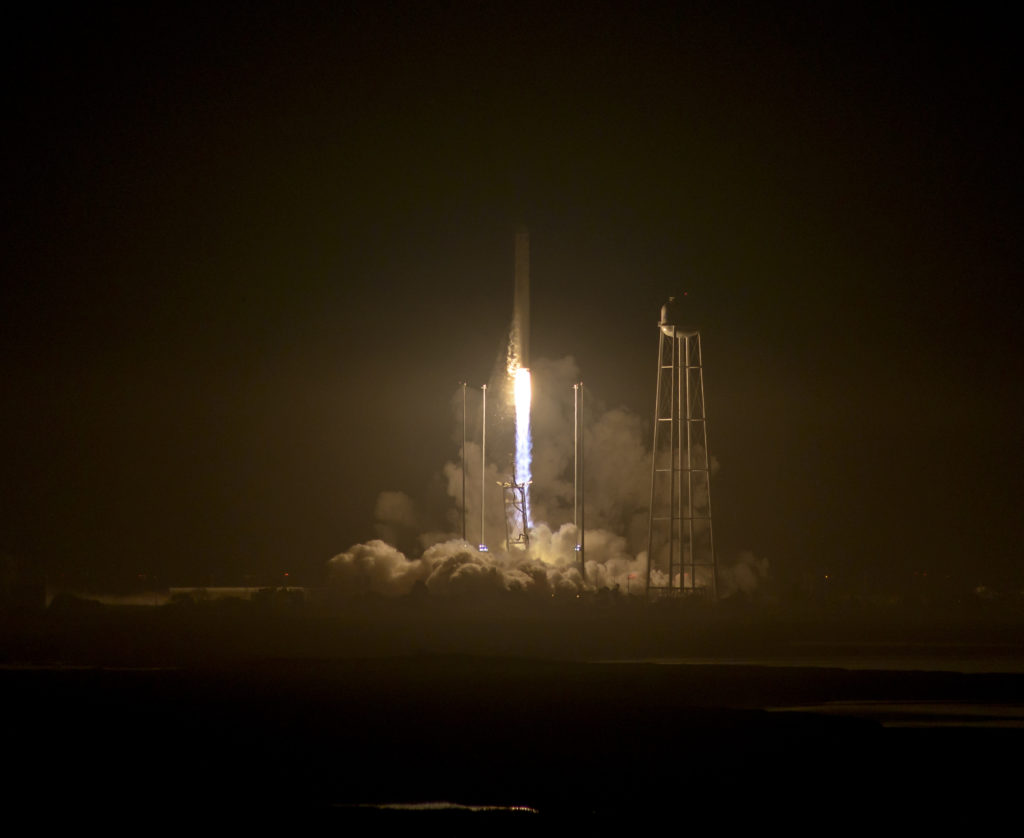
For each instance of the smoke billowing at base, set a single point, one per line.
(412, 553)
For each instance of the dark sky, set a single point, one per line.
(248, 254)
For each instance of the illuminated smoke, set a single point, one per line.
(396, 519)
(451, 568)
(455, 568)
(745, 575)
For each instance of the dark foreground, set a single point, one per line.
(136, 716)
(321, 739)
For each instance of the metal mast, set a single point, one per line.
(483, 461)
(577, 475)
(680, 541)
(463, 383)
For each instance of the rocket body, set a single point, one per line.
(521, 306)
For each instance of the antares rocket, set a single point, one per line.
(519, 372)
(521, 305)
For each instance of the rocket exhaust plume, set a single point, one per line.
(519, 368)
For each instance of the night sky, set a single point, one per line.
(248, 255)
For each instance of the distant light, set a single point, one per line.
(577, 548)
(483, 548)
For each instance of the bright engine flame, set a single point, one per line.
(523, 393)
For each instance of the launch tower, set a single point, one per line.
(680, 542)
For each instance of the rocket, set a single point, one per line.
(521, 306)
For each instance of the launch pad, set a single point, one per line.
(680, 546)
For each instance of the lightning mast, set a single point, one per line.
(577, 475)
(483, 461)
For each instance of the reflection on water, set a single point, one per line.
(921, 714)
(440, 806)
(893, 657)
